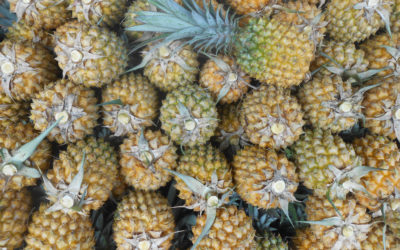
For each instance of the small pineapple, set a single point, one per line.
(59, 230)
(25, 69)
(189, 116)
(89, 55)
(271, 117)
(270, 241)
(15, 208)
(143, 158)
(143, 221)
(12, 111)
(139, 104)
(224, 79)
(374, 239)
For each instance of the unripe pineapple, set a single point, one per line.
(98, 12)
(143, 221)
(100, 168)
(250, 6)
(382, 108)
(374, 239)
(75, 104)
(169, 66)
(224, 79)
(130, 18)
(232, 229)
(139, 104)
(270, 241)
(395, 17)
(271, 117)
(189, 115)
(12, 111)
(20, 31)
(89, 55)
(315, 152)
(25, 69)
(15, 207)
(44, 14)
(59, 230)
(379, 152)
(355, 20)
(12, 137)
(380, 56)
(143, 158)
(264, 178)
(210, 167)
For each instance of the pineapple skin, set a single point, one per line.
(53, 96)
(143, 212)
(248, 6)
(100, 169)
(274, 52)
(111, 60)
(15, 207)
(263, 103)
(378, 152)
(232, 229)
(13, 136)
(11, 110)
(375, 238)
(252, 167)
(21, 31)
(23, 86)
(136, 173)
(314, 152)
(394, 18)
(270, 241)
(59, 230)
(130, 18)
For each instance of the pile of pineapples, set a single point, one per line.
(231, 109)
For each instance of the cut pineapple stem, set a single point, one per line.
(212, 201)
(164, 51)
(348, 231)
(63, 116)
(67, 201)
(76, 56)
(146, 156)
(345, 107)
(190, 125)
(279, 186)
(7, 68)
(232, 77)
(277, 128)
(87, 2)
(9, 170)
(144, 245)
(123, 117)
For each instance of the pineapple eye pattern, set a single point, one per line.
(86, 7)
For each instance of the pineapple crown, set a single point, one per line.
(86, 7)
(150, 240)
(391, 115)
(370, 7)
(237, 139)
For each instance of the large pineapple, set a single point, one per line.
(15, 208)
(143, 221)
(138, 105)
(59, 230)
(189, 115)
(11, 110)
(143, 158)
(271, 117)
(74, 104)
(25, 69)
(89, 55)
(355, 20)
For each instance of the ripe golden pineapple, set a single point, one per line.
(25, 69)
(378, 152)
(189, 115)
(374, 239)
(224, 79)
(98, 12)
(59, 230)
(143, 158)
(20, 31)
(171, 65)
(264, 178)
(12, 137)
(232, 229)
(271, 117)
(395, 17)
(139, 104)
(270, 241)
(99, 170)
(11, 110)
(74, 103)
(315, 152)
(89, 55)
(130, 18)
(210, 167)
(392, 213)
(143, 221)
(15, 207)
(250, 6)
(355, 20)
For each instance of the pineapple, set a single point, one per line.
(392, 213)
(169, 66)
(355, 20)
(144, 157)
(143, 221)
(76, 106)
(89, 55)
(15, 207)
(395, 17)
(249, 6)
(264, 178)
(130, 18)
(374, 239)
(232, 229)
(189, 116)
(379, 152)
(25, 69)
(98, 12)
(59, 230)
(139, 104)
(224, 79)
(271, 117)
(98, 173)
(12, 111)
(270, 241)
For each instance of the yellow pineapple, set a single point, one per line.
(20, 31)
(395, 17)
(11, 110)
(374, 239)
(250, 6)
